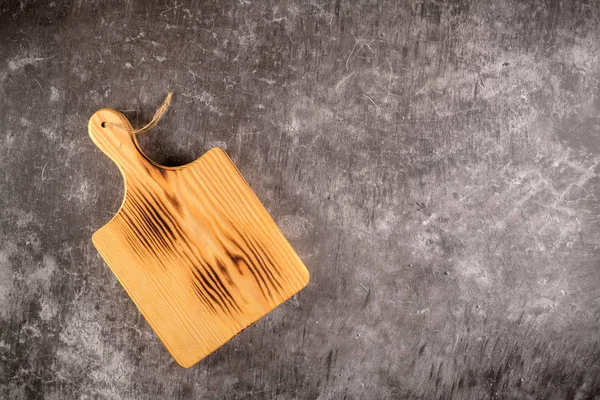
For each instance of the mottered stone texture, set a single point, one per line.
(436, 164)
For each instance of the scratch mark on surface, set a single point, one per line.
(350, 55)
(289, 37)
(194, 75)
(43, 170)
(171, 8)
(344, 80)
(39, 84)
(372, 101)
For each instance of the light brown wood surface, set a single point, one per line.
(193, 246)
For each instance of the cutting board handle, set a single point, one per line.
(112, 133)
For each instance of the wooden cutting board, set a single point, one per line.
(193, 246)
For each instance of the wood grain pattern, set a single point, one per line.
(192, 245)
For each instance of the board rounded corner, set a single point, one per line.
(305, 279)
(186, 364)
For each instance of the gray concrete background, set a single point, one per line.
(435, 164)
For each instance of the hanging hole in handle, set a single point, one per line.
(103, 124)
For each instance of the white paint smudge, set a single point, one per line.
(24, 122)
(385, 223)
(49, 133)
(6, 279)
(23, 219)
(42, 277)
(18, 63)
(294, 226)
(49, 309)
(87, 355)
(55, 94)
